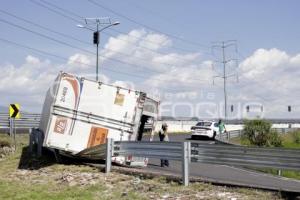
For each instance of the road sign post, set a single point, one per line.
(10, 127)
(14, 113)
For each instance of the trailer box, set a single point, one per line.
(79, 114)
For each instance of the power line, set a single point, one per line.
(44, 28)
(72, 13)
(62, 9)
(154, 13)
(81, 49)
(117, 31)
(152, 42)
(67, 59)
(64, 58)
(53, 10)
(44, 36)
(106, 33)
(146, 26)
(71, 37)
(70, 45)
(125, 41)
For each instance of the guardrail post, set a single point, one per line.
(185, 162)
(30, 140)
(109, 152)
(12, 131)
(279, 172)
(11, 128)
(228, 135)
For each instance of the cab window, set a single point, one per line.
(203, 124)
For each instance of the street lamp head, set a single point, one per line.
(80, 26)
(96, 35)
(116, 23)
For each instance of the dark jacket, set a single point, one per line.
(161, 135)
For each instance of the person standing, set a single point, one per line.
(221, 127)
(163, 137)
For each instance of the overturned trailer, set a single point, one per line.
(80, 114)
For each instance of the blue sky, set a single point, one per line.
(267, 25)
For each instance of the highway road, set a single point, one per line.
(224, 174)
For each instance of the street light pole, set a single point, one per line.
(97, 35)
(97, 59)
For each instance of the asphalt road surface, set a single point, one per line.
(224, 174)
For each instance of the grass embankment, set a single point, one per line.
(289, 140)
(24, 177)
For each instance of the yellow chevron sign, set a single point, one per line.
(14, 111)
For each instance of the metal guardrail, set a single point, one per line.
(218, 154)
(285, 130)
(277, 158)
(161, 150)
(225, 137)
(31, 120)
(26, 121)
(166, 150)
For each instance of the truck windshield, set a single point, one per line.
(203, 124)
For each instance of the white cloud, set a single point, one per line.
(30, 77)
(122, 43)
(32, 60)
(295, 60)
(262, 61)
(176, 59)
(80, 60)
(155, 41)
(141, 48)
(169, 69)
(28, 83)
(269, 76)
(124, 84)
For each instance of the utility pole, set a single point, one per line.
(102, 23)
(225, 76)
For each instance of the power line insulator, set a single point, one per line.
(289, 108)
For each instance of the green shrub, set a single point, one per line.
(275, 139)
(296, 137)
(256, 131)
(259, 133)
